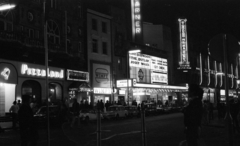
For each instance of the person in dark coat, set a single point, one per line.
(27, 125)
(234, 111)
(75, 110)
(193, 115)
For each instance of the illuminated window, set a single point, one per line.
(104, 48)
(104, 27)
(53, 32)
(94, 24)
(94, 46)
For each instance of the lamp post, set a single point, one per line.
(128, 69)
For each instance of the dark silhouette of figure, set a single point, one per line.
(28, 131)
(107, 105)
(193, 114)
(19, 103)
(75, 110)
(14, 112)
(101, 105)
(234, 111)
(211, 108)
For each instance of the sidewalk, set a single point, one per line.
(216, 133)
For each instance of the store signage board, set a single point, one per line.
(159, 78)
(183, 63)
(159, 86)
(123, 83)
(148, 69)
(136, 20)
(102, 90)
(8, 73)
(37, 71)
(77, 75)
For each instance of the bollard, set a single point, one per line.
(144, 141)
(98, 128)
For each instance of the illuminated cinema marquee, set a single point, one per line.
(184, 63)
(136, 20)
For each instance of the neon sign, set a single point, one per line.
(25, 70)
(136, 19)
(184, 63)
(5, 73)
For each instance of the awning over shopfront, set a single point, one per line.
(80, 87)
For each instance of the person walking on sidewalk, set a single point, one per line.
(75, 110)
(14, 112)
(193, 115)
(234, 111)
(28, 131)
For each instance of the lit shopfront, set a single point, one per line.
(160, 94)
(101, 82)
(79, 87)
(29, 79)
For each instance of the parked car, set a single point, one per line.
(86, 115)
(115, 111)
(132, 111)
(41, 116)
(150, 109)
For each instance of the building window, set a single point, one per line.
(94, 46)
(37, 34)
(80, 11)
(53, 32)
(94, 24)
(79, 32)
(2, 25)
(79, 46)
(54, 4)
(31, 33)
(104, 48)
(104, 27)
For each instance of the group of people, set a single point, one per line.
(199, 112)
(22, 113)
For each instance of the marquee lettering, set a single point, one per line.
(25, 70)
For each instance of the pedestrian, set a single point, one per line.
(19, 103)
(193, 115)
(234, 111)
(205, 119)
(75, 110)
(14, 113)
(107, 105)
(101, 105)
(28, 131)
(211, 108)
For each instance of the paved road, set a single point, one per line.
(164, 130)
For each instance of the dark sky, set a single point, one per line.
(214, 16)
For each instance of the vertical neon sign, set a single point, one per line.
(136, 21)
(184, 63)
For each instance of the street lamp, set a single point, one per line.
(5, 6)
(128, 69)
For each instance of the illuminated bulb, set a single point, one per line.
(6, 7)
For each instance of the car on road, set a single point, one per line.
(115, 111)
(132, 110)
(40, 116)
(150, 109)
(89, 115)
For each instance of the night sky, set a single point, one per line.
(214, 16)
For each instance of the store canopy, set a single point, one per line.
(80, 87)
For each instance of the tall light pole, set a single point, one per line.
(128, 70)
(46, 67)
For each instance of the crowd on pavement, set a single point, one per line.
(198, 114)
